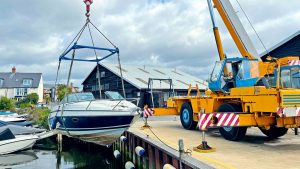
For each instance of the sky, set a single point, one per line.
(165, 33)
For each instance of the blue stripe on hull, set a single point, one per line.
(81, 122)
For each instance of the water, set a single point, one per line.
(74, 154)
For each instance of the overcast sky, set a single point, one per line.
(166, 33)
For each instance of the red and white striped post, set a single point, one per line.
(147, 112)
(205, 119)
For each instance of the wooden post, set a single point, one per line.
(144, 160)
(157, 159)
(151, 157)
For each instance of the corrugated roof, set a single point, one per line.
(139, 76)
(15, 80)
(280, 43)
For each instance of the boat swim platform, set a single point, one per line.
(254, 151)
(46, 134)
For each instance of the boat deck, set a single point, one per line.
(254, 151)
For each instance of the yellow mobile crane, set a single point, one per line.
(243, 92)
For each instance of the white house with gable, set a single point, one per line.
(17, 85)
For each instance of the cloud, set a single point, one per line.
(169, 33)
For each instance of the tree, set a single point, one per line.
(6, 104)
(32, 98)
(47, 99)
(62, 90)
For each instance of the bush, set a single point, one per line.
(6, 103)
(40, 117)
(33, 98)
(62, 90)
(24, 105)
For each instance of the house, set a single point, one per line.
(287, 47)
(49, 91)
(136, 80)
(17, 85)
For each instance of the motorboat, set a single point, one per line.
(7, 113)
(10, 143)
(101, 121)
(8, 116)
(79, 115)
(23, 123)
(16, 138)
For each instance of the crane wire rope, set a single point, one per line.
(248, 19)
(98, 75)
(119, 61)
(78, 35)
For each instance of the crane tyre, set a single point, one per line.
(186, 117)
(232, 133)
(274, 132)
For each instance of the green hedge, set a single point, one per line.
(6, 104)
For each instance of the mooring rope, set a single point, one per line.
(187, 151)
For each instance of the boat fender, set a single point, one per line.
(117, 154)
(123, 139)
(168, 166)
(140, 151)
(129, 165)
(54, 122)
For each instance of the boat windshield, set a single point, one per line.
(78, 97)
(113, 95)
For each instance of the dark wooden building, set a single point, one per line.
(136, 82)
(288, 47)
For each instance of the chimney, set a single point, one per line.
(13, 70)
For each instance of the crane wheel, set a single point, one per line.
(232, 133)
(186, 117)
(274, 132)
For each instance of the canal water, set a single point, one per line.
(74, 154)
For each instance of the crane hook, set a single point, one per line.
(88, 4)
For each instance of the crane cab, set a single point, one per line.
(233, 73)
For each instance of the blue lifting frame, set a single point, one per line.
(76, 46)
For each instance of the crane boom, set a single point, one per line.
(235, 28)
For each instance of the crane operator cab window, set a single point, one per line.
(290, 77)
(233, 72)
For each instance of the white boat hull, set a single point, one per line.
(19, 143)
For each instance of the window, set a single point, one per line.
(290, 78)
(286, 78)
(20, 91)
(216, 71)
(27, 82)
(102, 74)
(1, 82)
(106, 86)
(248, 65)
